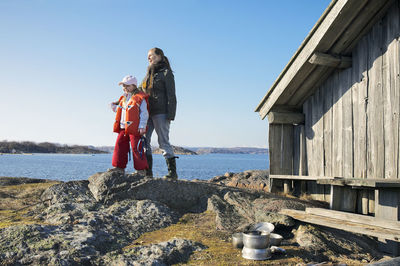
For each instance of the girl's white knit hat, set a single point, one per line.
(129, 80)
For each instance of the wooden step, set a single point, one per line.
(367, 225)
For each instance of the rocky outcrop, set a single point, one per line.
(237, 211)
(96, 222)
(180, 195)
(177, 150)
(70, 192)
(92, 221)
(165, 253)
(83, 229)
(62, 245)
(251, 179)
(325, 242)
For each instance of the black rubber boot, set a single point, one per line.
(149, 172)
(171, 163)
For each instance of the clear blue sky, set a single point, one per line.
(61, 61)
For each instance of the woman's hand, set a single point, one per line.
(142, 131)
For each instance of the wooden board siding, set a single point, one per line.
(318, 144)
(390, 61)
(375, 135)
(281, 149)
(318, 129)
(359, 101)
(337, 125)
(347, 124)
(309, 135)
(352, 124)
(328, 126)
(314, 119)
(299, 156)
(372, 10)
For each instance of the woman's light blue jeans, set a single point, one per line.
(160, 124)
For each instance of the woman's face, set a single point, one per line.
(153, 57)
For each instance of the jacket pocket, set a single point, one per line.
(132, 128)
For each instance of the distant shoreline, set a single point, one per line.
(29, 148)
(203, 150)
(52, 153)
(4, 153)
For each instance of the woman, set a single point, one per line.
(159, 83)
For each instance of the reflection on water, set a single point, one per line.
(68, 167)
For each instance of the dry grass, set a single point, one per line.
(9, 218)
(201, 228)
(17, 200)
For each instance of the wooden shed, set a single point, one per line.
(333, 112)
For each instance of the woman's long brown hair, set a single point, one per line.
(148, 80)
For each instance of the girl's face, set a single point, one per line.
(153, 57)
(128, 88)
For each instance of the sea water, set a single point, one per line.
(68, 167)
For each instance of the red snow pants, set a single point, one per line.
(121, 150)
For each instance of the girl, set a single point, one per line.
(130, 124)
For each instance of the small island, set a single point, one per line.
(210, 150)
(177, 150)
(234, 150)
(28, 147)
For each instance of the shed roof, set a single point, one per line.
(328, 46)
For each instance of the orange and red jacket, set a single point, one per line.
(132, 108)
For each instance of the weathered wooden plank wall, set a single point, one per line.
(328, 125)
(375, 135)
(352, 124)
(300, 159)
(359, 103)
(281, 149)
(390, 61)
(347, 116)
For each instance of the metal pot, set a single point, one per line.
(255, 240)
(265, 227)
(256, 254)
(237, 240)
(275, 239)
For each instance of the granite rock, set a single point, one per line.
(325, 242)
(174, 251)
(251, 179)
